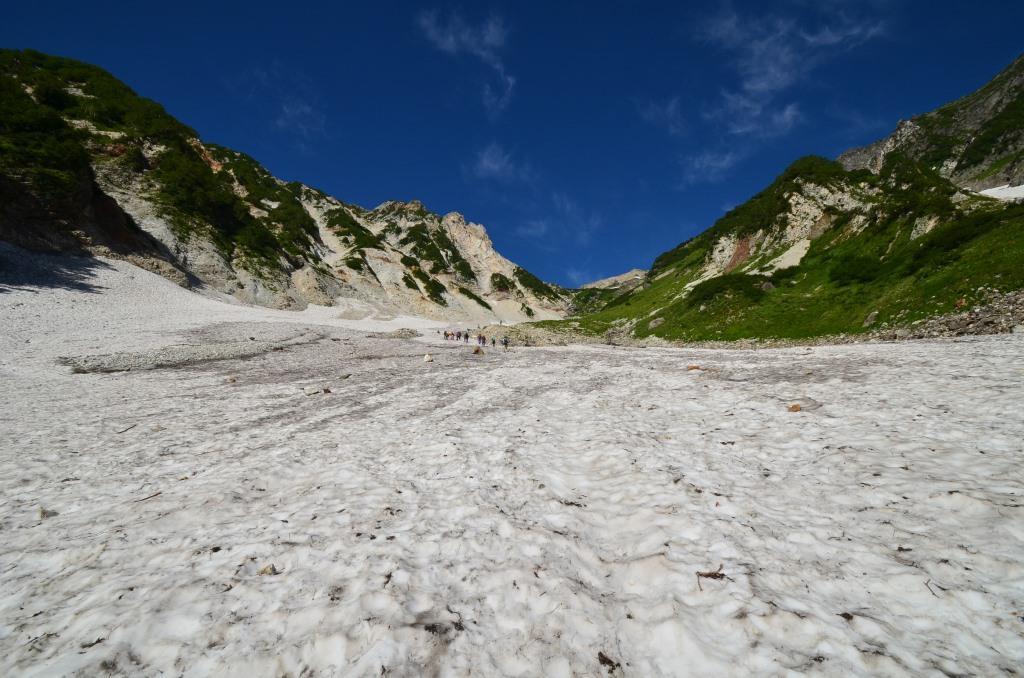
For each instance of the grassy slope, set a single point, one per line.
(845, 275)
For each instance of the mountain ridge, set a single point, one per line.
(95, 168)
(976, 141)
(888, 234)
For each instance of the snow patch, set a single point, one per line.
(341, 507)
(1005, 192)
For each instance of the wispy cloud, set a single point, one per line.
(534, 228)
(578, 277)
(562, 221)
(770, 55)
(494, 162)
(708, 166)
(847, 33)
(667, 115)
(302, 118)
(580, 224)
(289, 100)
(750, 118)
(485, 41)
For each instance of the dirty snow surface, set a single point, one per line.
(587, 511)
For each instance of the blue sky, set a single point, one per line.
(587, 137)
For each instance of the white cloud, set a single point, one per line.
(708, 166)
(287, 97)
(578, 277)
(484, 41)
(666, 115)
(851, 33)
(494, 162)
(455, 35)
(534, 228)
(770, 54)
(302, 118)
(566, 222)
(763, 122)
(580, 224)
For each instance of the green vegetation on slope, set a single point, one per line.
(531, 282)
(847, 274)
(501, 283)
(38, 150)
(982, 132)
(1007, 125)
(424, 248)
(193, 195)
(351, 232)
(469, 293)
(410, 282)
(592, 299)
(434, 246)
(762, 210)
(454, 258)
(294, 228)
(433, 288)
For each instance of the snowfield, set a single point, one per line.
(580, 511)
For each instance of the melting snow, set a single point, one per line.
(1005, 192)
(550, 511)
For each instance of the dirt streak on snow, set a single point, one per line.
(505, 514)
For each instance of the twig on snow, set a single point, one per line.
(717, 574)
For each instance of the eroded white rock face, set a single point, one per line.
(383, 280)
(786, 241)
(923, 226)
(791, 257)
(476, 248)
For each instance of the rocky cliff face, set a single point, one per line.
(99, 169)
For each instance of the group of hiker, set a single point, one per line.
(479, 339)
